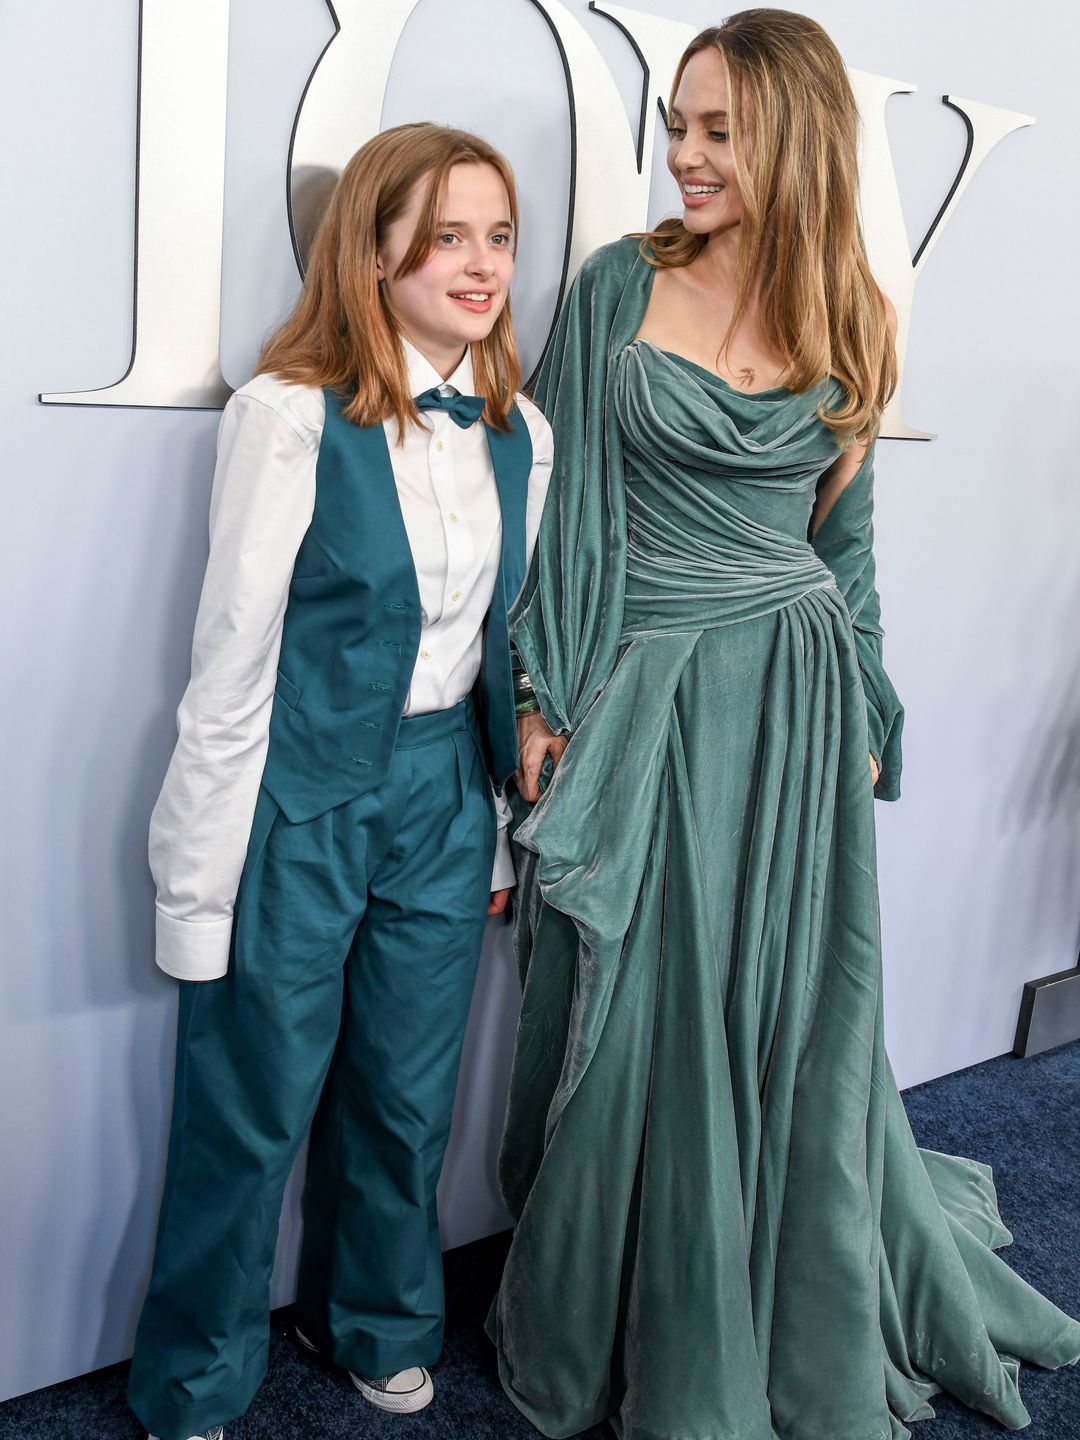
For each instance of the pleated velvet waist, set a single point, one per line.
(683, 577)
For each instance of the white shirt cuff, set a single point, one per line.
(193, 949)
(502, 874)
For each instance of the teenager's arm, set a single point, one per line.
(543, 447)
(502, 873)
(263, 500)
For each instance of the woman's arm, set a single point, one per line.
(568, 619)
(842, 533)
(567, 622)
(846, 546)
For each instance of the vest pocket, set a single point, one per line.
(287, 691)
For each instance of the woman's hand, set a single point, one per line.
(498, 902)
(535, 740)
(875, 769)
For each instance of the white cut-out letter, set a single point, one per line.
(341, 107)
(884, 232)
(180, 193)
(886, 237)
(610, 167)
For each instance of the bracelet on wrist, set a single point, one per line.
(530, 706)
(523, 687)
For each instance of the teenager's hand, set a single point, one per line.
(535, 740)
(875, 769)
(498, 902)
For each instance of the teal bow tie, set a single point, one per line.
(464, 410)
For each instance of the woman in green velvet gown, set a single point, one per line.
(725, 1230)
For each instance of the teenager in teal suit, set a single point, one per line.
(331, 832)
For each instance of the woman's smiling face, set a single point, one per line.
(699, 153)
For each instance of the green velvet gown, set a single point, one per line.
(725, 1230)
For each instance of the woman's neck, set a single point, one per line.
(717, 262)
(716, 266)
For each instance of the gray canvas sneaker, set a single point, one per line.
(401, 1394)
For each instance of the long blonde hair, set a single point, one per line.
(794, 130)
(342, 333)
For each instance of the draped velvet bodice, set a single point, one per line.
(719, 488)
(761, 452)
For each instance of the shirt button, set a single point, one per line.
(425, 654)
(453, 518)
(439, 445)
(455, 595)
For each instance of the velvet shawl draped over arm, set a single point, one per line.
(845, 541)
(567, 622)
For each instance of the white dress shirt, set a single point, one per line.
(262, 504)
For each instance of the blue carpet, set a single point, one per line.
(1021, 1116)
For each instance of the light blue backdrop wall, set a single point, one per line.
(103, 521)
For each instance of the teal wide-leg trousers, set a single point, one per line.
(355, 946)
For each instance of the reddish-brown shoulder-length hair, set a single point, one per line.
(341, 333)
(794, 129)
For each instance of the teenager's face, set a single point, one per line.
(699, 155)
(456, 295)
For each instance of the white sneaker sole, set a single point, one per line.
(406, 1404)
(397, 1404)
(218, 1434)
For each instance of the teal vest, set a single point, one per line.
(352, 624)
